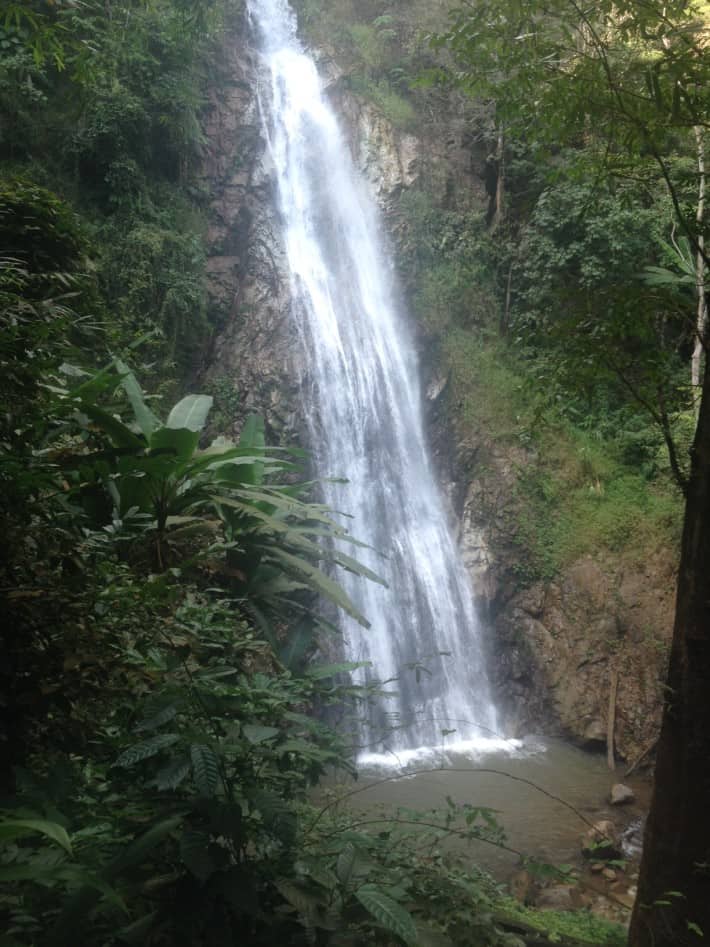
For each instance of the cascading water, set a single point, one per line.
(365, 416)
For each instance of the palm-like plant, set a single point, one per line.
(271, 541)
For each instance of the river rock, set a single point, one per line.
(601, 841)
(621, 794)
(522, 887)
(557, 898)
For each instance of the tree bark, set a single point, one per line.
(702, 313)
(500, 183)
(676, 855)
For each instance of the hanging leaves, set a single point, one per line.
(391, 915)
(146, 749)
(205, 768)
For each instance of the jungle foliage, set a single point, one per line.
(165, 711)
(613, 97)
(101, 104)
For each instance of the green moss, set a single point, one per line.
(581, 927)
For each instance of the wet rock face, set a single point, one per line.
(555, 643)
(254, 362)
(570, 634)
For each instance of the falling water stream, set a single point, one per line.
(365, 417)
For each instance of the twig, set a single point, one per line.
(611, 720)
(641, 757)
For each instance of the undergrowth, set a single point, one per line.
(576, 492)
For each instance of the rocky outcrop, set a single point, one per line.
(254, 364)
(557, 642)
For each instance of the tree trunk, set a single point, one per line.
(500, 184)
(676, 855)
(701, 318)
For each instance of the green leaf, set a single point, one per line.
(146, 749)
(145, 418)
(205, 768)
(256, 733)
(190, 413)
(302, 898)
(322, 583)
(172, 775)
(392, 916)
(181, 442)
(137, 850)
(16, 828)
(164, 715)
(346, 863)
(77, 909)
(300, 642)
(252, 436)
(121, 435)
(194, 851)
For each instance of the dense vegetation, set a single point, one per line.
(164, 717)
(158, 690)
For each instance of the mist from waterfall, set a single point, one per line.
(364, 410)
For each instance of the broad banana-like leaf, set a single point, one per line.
(181, 441)
(190, 413)
(119, 434)
(147, 421)
(253, 436)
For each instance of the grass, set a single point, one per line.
(574, 495)
(580, 927)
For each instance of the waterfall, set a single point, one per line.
(365, 416)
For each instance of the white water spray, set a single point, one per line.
(365, 418)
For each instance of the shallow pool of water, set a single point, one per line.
(545, 792)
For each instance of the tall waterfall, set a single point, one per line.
(365, 416)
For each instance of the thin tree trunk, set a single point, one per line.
(673, 900)
(611, 720)
(500, 183)
(505, 320)
(701, 319)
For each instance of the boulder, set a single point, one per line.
(601, 841)
(522, 887)
(621, 794)
(557, 898)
